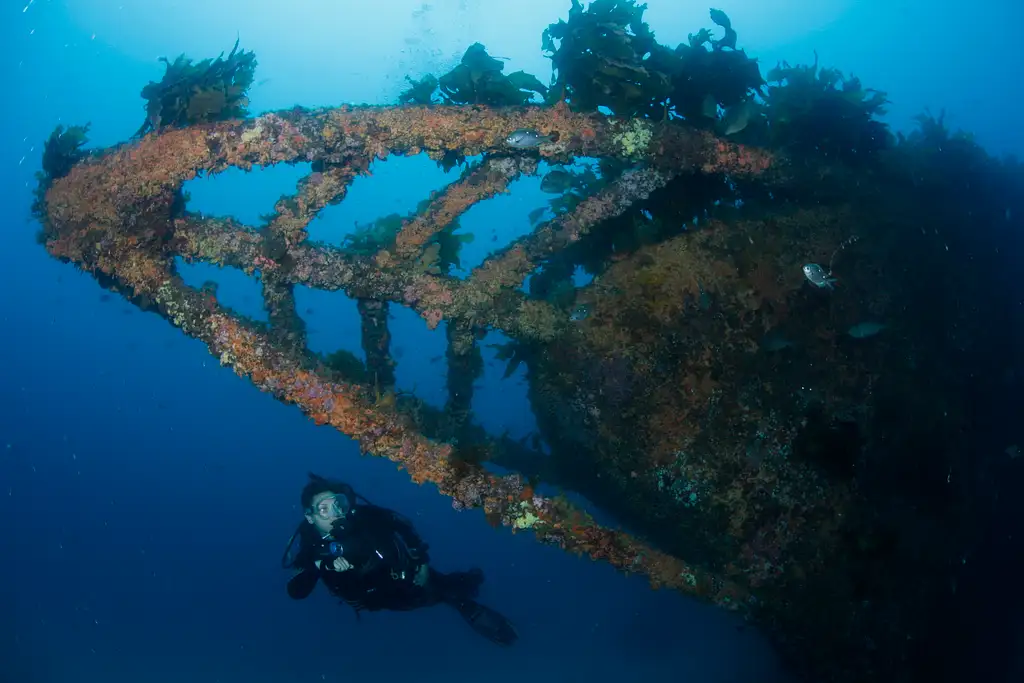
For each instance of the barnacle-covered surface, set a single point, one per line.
(803, 454)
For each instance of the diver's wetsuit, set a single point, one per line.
(386, 553)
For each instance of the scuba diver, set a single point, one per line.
(371, 558)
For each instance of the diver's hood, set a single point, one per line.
(336, 486)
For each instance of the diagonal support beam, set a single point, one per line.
(380, 430)
(509, 267)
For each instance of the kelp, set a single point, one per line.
(478, 79)
(188, 93)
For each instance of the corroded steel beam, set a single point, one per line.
(508, 268)
(316, 191)
(382, 431)
(228, 242)
(376, 342)
(485, 181)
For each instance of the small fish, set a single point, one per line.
(817, 276)
(864, 330)
(775, 341)
(557, 182)
(581, 312)
(525, 138)
(737, 117)
(709, 107)
(704, 300)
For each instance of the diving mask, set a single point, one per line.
(332, 508)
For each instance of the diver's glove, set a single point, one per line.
(330, 557)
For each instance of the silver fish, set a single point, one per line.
(737, 117)
(557, 182)
(817, 276)
(581, 312)
(865, 329)
(524, 138)
(709, 107)
(704, 300)
(775, 341)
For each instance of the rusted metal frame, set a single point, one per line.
(465, 363)
(376, 342)
(195, 233)
(316, 190)
(382, 431)
(345, 137)
(491, 177)
(221, 241)
(286, 325)
(158, 165)
(472, 131)
(330, 268)
(292, 215)
(143, 266)
(509, 267)
(347, 134)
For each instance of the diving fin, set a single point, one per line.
(487, 622)
(302, 584)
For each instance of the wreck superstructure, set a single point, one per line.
(767, 441)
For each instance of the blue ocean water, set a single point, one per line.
(146, 492)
